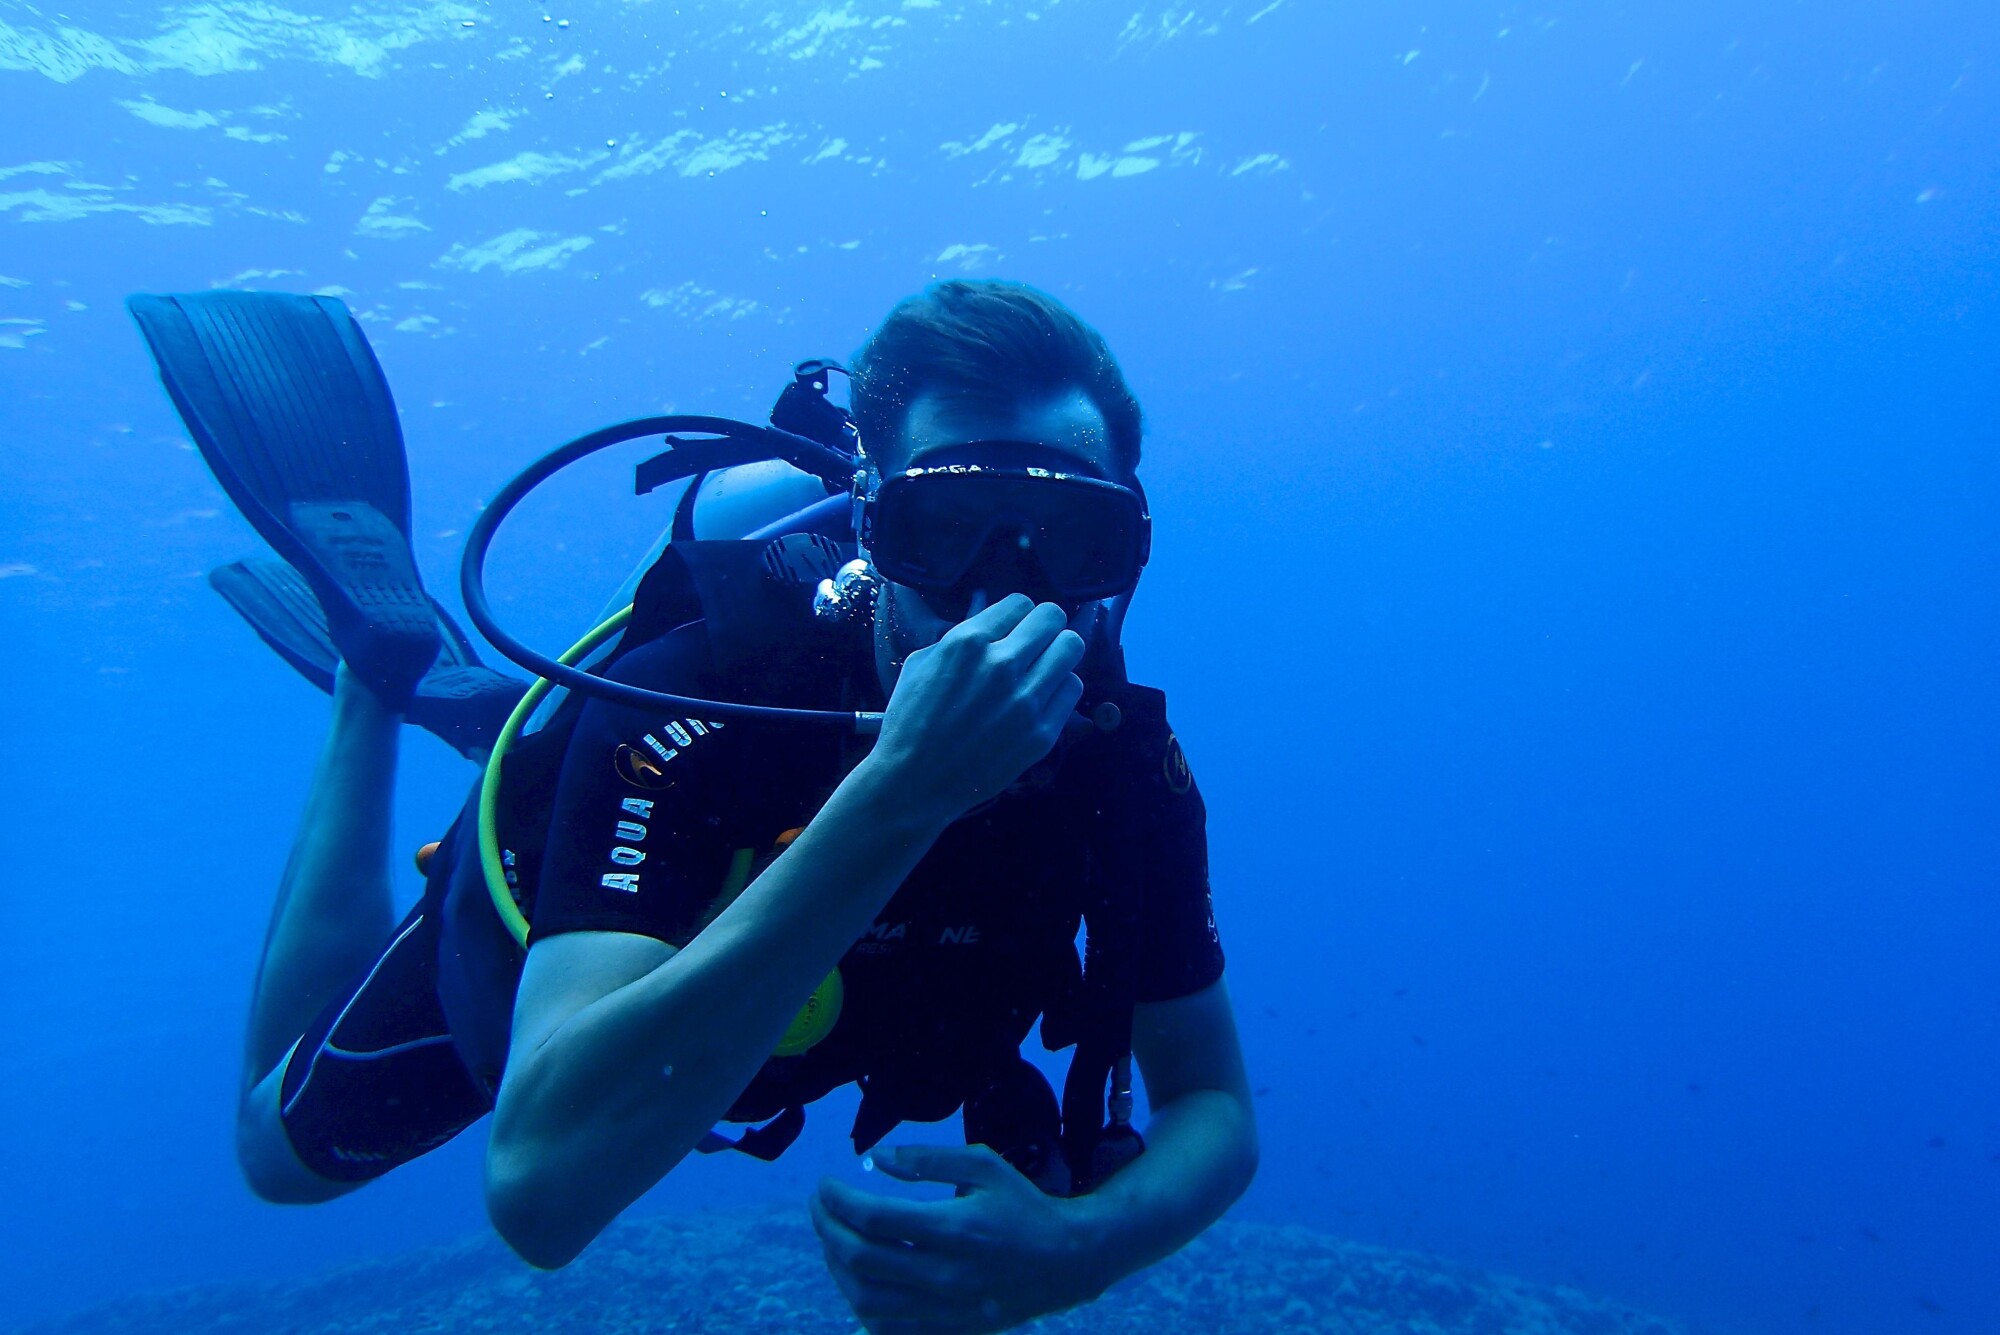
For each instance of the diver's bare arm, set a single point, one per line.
(625, 1052)
(1201, 1142)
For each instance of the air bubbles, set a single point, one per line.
(562, 23)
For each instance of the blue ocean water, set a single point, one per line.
(1572, 436)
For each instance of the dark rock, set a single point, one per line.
(721, 1274)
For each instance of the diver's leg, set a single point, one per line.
(264, 1150)
(373, 1081)
(333, 911)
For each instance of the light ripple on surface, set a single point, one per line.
(231, 37)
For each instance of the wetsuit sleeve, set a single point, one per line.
(636, 843)
(1166, 824)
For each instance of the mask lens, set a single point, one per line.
(927, 534)
(1086, 538)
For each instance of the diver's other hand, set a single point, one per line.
(997, 1254)
(973, 711)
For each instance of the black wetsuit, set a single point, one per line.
(651, 818)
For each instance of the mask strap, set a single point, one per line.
(867, 480)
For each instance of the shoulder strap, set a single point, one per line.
(1100, 1071)
(1099, 1019)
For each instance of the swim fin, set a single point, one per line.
(460, 699)
(286, 402)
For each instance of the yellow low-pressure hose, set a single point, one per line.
(489, 785)
(815, 1019)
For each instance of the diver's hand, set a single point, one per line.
(998, 1254)
(973, 711)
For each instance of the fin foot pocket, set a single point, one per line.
(459, 700)
(366, 582)
(466, 706)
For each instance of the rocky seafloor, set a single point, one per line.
(729, 1273)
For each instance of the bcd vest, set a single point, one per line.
(755, 598)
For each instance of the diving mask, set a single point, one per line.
(1058, 537)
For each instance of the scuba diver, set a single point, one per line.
(826, 804)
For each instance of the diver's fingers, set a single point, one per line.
(1062, 701)
(876, 1262)
(995, 622)
(896, 1283)
(1033, 635)
(893, 1220)
(1057, 660)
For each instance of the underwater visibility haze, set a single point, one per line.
(1571, 443)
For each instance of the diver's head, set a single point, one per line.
(992, 345)
(1002, 441)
